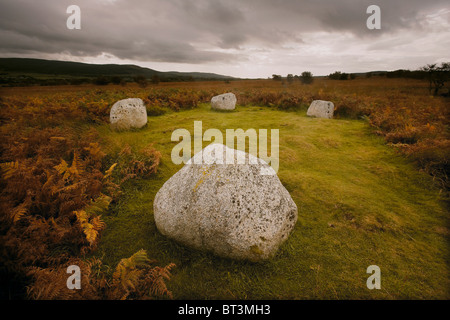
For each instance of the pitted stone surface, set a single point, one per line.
(321, 109)
(230, 209)
(226, 101)
(128, 113)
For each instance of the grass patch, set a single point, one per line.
(359, 204)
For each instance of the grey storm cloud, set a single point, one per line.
(191, 31)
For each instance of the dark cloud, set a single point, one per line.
(195, 31)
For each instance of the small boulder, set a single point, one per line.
(321, 109)
(128, 113)
(233, 209)
(226, 101)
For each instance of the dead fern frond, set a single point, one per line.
(19, 212)
(98, 223)
(126, 272)
(157, 277)
(62, 169)
(9, 169)
(49, 284)
(142, 164)
(109, 172)
(77, 168)
(136, 260)
(49, 181)
(98, 205)
(95, 152)
(135, 277)
(89, 230)
(90, 222)
(58, 138)
(70, 188)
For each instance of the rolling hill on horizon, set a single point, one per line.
(45, 69)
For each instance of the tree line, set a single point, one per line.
(436, 75)
(306, 77)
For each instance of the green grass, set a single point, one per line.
(359, 203)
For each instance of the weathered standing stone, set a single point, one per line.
(128, 113)
(321, 109)
(231, 210)
(226, 101)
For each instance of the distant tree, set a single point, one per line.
(338, 75)
(141, 81)
(276, 77)
(335, 75)
(306, 77)
(101, 81)
(290, 78)
(437, 76)
(155, 79)
(116, 79)
(344, 76)
(416, 74)
(369, 75)
(352, 76)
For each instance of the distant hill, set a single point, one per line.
(40, 69)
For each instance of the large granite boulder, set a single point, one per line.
(234, 209)
(321, 109)
(226, 101)
(128, 113)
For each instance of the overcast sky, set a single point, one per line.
(242, 38)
